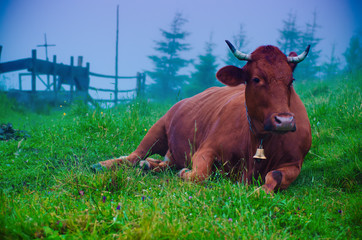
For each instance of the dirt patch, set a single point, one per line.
(7, 132)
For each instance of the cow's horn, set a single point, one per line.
(239, 55)
(300, 57)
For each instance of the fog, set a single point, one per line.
(88, 28)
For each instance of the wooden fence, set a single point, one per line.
(78, 77)
(139, 90)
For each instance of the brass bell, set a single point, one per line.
(259, 153)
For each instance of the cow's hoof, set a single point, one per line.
(182, 172)
(96, 168)
(144, 165)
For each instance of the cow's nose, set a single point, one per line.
(282, 119)
(284, 122)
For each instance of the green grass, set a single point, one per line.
(48, 191)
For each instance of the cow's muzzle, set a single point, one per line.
(280, 122)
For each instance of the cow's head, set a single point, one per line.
(268, 76)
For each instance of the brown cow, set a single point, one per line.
(224, 126)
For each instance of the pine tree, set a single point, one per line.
(289, 35)
(309, 68)
(204, 76)
(331, 68)
(294, 40)
(168, 62)
(353, 53)
(239, 41)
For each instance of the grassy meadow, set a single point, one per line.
(47, 189)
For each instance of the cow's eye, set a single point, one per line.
(256, 80)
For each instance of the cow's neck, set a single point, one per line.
(256, 163)
(254, 129)
(258, 137)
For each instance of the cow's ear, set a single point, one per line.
(292, 65)
(230, 75)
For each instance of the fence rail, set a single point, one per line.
(110, 90)
(139, 90)
(110, 76)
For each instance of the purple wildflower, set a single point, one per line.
(118, 207)
(104, 199)
(339, 211)
(143, 198)
(230, 219)
(190, 197)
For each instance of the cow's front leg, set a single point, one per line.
(130, 160)
(202, 162)
(280, 178)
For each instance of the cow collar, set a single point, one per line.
(259, 155)
(249, 121)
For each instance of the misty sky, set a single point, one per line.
(88, 28)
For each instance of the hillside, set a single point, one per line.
(47, 188)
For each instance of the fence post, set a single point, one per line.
(48, 76)
(33, 71)
(143, 84)
(55, 78)
(20, 84)
(116, 89)
(87, 66)
(80, 61)
(138, 85)
(116, 64)
(88, 98)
